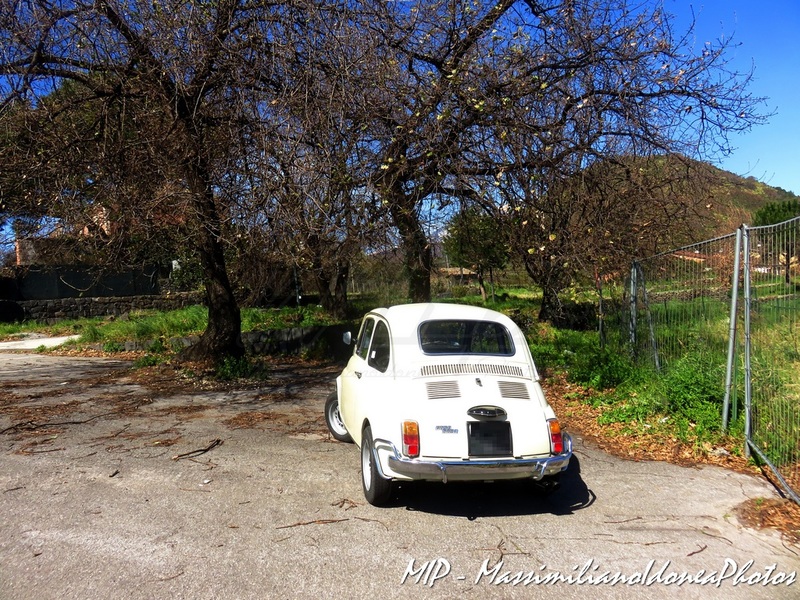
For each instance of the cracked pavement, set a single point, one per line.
(105, 493)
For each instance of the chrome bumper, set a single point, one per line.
(475, 470)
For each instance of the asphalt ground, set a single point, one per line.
(116, 487)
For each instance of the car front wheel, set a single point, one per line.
(377, 490)
(333, 419)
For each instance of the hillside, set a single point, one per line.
(738, 198)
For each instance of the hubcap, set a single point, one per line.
(336, 421)
(366, 464)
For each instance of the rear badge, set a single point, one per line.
(446, 429)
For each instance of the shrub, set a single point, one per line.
(600, 368)
(91, 334)
(695, 390)
(157, 346)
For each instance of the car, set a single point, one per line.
(444, 392)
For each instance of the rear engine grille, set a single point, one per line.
(514, 389)
(443, 389)
(471, 369)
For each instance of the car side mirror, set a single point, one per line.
(347, 338)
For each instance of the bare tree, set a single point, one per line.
(196, 74)
(474, 90)
(587, 163)
(431, 76)
(309, 170)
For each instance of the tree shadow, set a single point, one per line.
(473, 500)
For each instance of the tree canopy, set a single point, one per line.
(315, 129)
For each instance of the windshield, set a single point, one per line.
(465, 337)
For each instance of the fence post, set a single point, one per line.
(632, 308)
(732, 329)
(650, 327)
(748, 389)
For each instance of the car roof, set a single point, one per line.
(404, 319)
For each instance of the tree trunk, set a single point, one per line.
(551, 309)
(418, 260)
(551, 279)
(334, 301)
(223, 334)
(481, 284)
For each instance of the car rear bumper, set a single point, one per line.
(474, 470)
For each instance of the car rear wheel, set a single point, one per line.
(333, 419)
(377, 490)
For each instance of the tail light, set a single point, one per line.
(411, 439)
(556, 439)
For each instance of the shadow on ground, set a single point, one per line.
(497, 499)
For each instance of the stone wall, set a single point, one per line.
(53, 310)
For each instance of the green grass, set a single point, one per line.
(144, 326)
(154, 325)
(67, 327)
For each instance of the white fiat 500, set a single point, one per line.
(444, 392)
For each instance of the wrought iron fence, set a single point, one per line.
(732, 306)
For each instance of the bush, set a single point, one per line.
(695, 390)
(157, 346)
(91, 334)
(600, 368)
(633, 409)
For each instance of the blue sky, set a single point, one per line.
(767, 32)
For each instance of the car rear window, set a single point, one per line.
(465, 337)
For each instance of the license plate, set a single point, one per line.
(489, 438)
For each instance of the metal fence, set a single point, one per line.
(732, 306)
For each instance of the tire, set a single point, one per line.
(333, 419)
(377, 490)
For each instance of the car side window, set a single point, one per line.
(380, 352)
(364, 337)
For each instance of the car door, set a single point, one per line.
(364, 378)
(352, 374)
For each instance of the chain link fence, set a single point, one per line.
(730, 307)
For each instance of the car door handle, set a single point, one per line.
(358, 374)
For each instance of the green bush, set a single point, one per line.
(157, 347)
(600, 368)
(91, 334)
(634, 408)
(694, 391)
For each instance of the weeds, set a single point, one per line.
(149, 360)
(244, 367)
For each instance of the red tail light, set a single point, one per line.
(411, 439)
(556, 439)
